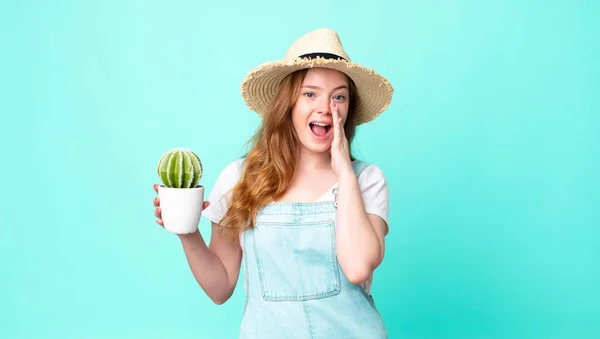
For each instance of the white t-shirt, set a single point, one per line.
(372, 183)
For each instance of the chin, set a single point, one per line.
(320, 147)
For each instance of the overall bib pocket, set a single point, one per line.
(296, 261)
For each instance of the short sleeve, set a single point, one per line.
(221, 192)
(375, 192)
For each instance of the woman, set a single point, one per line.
(304, 217)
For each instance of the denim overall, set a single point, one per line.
(295, 287)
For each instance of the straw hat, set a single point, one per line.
(319, 48)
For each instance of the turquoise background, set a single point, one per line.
(490, 148)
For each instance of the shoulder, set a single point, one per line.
(231, 171)
(373, 185)
(374, 189)
(221, 191)
(368, 173)
(227, 179)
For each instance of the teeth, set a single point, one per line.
(319, 124)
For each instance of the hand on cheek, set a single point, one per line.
(340, 156)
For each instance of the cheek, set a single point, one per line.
(300, 112)
(301, 107)
(297, 118)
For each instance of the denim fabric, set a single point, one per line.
(295, 287)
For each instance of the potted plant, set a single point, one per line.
(181, 196)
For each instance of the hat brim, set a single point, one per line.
(262, 84)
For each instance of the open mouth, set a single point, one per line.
(320, 130)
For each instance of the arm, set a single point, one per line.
(359, 235)
(360, 243)
(216, 268)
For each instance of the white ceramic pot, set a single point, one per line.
(181, 208)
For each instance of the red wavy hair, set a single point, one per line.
(270, 163)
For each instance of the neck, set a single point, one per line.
(309, 161)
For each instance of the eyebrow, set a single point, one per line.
(317, 87)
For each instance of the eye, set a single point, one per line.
(309, 94)
(340, 97)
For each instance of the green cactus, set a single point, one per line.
(180, 168)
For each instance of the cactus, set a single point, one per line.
(179, 168)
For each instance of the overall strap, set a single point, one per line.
(359, 166)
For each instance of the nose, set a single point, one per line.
(323, 106)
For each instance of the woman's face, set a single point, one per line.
(321, 89)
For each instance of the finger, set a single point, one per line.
(157, 212)
(342, 131)
(334, 112)
(335, 115)
(156, 201)
(156, 188)
(340, 126)
(339, 118)
(160, 222)
(205, 205)
(339, 130)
